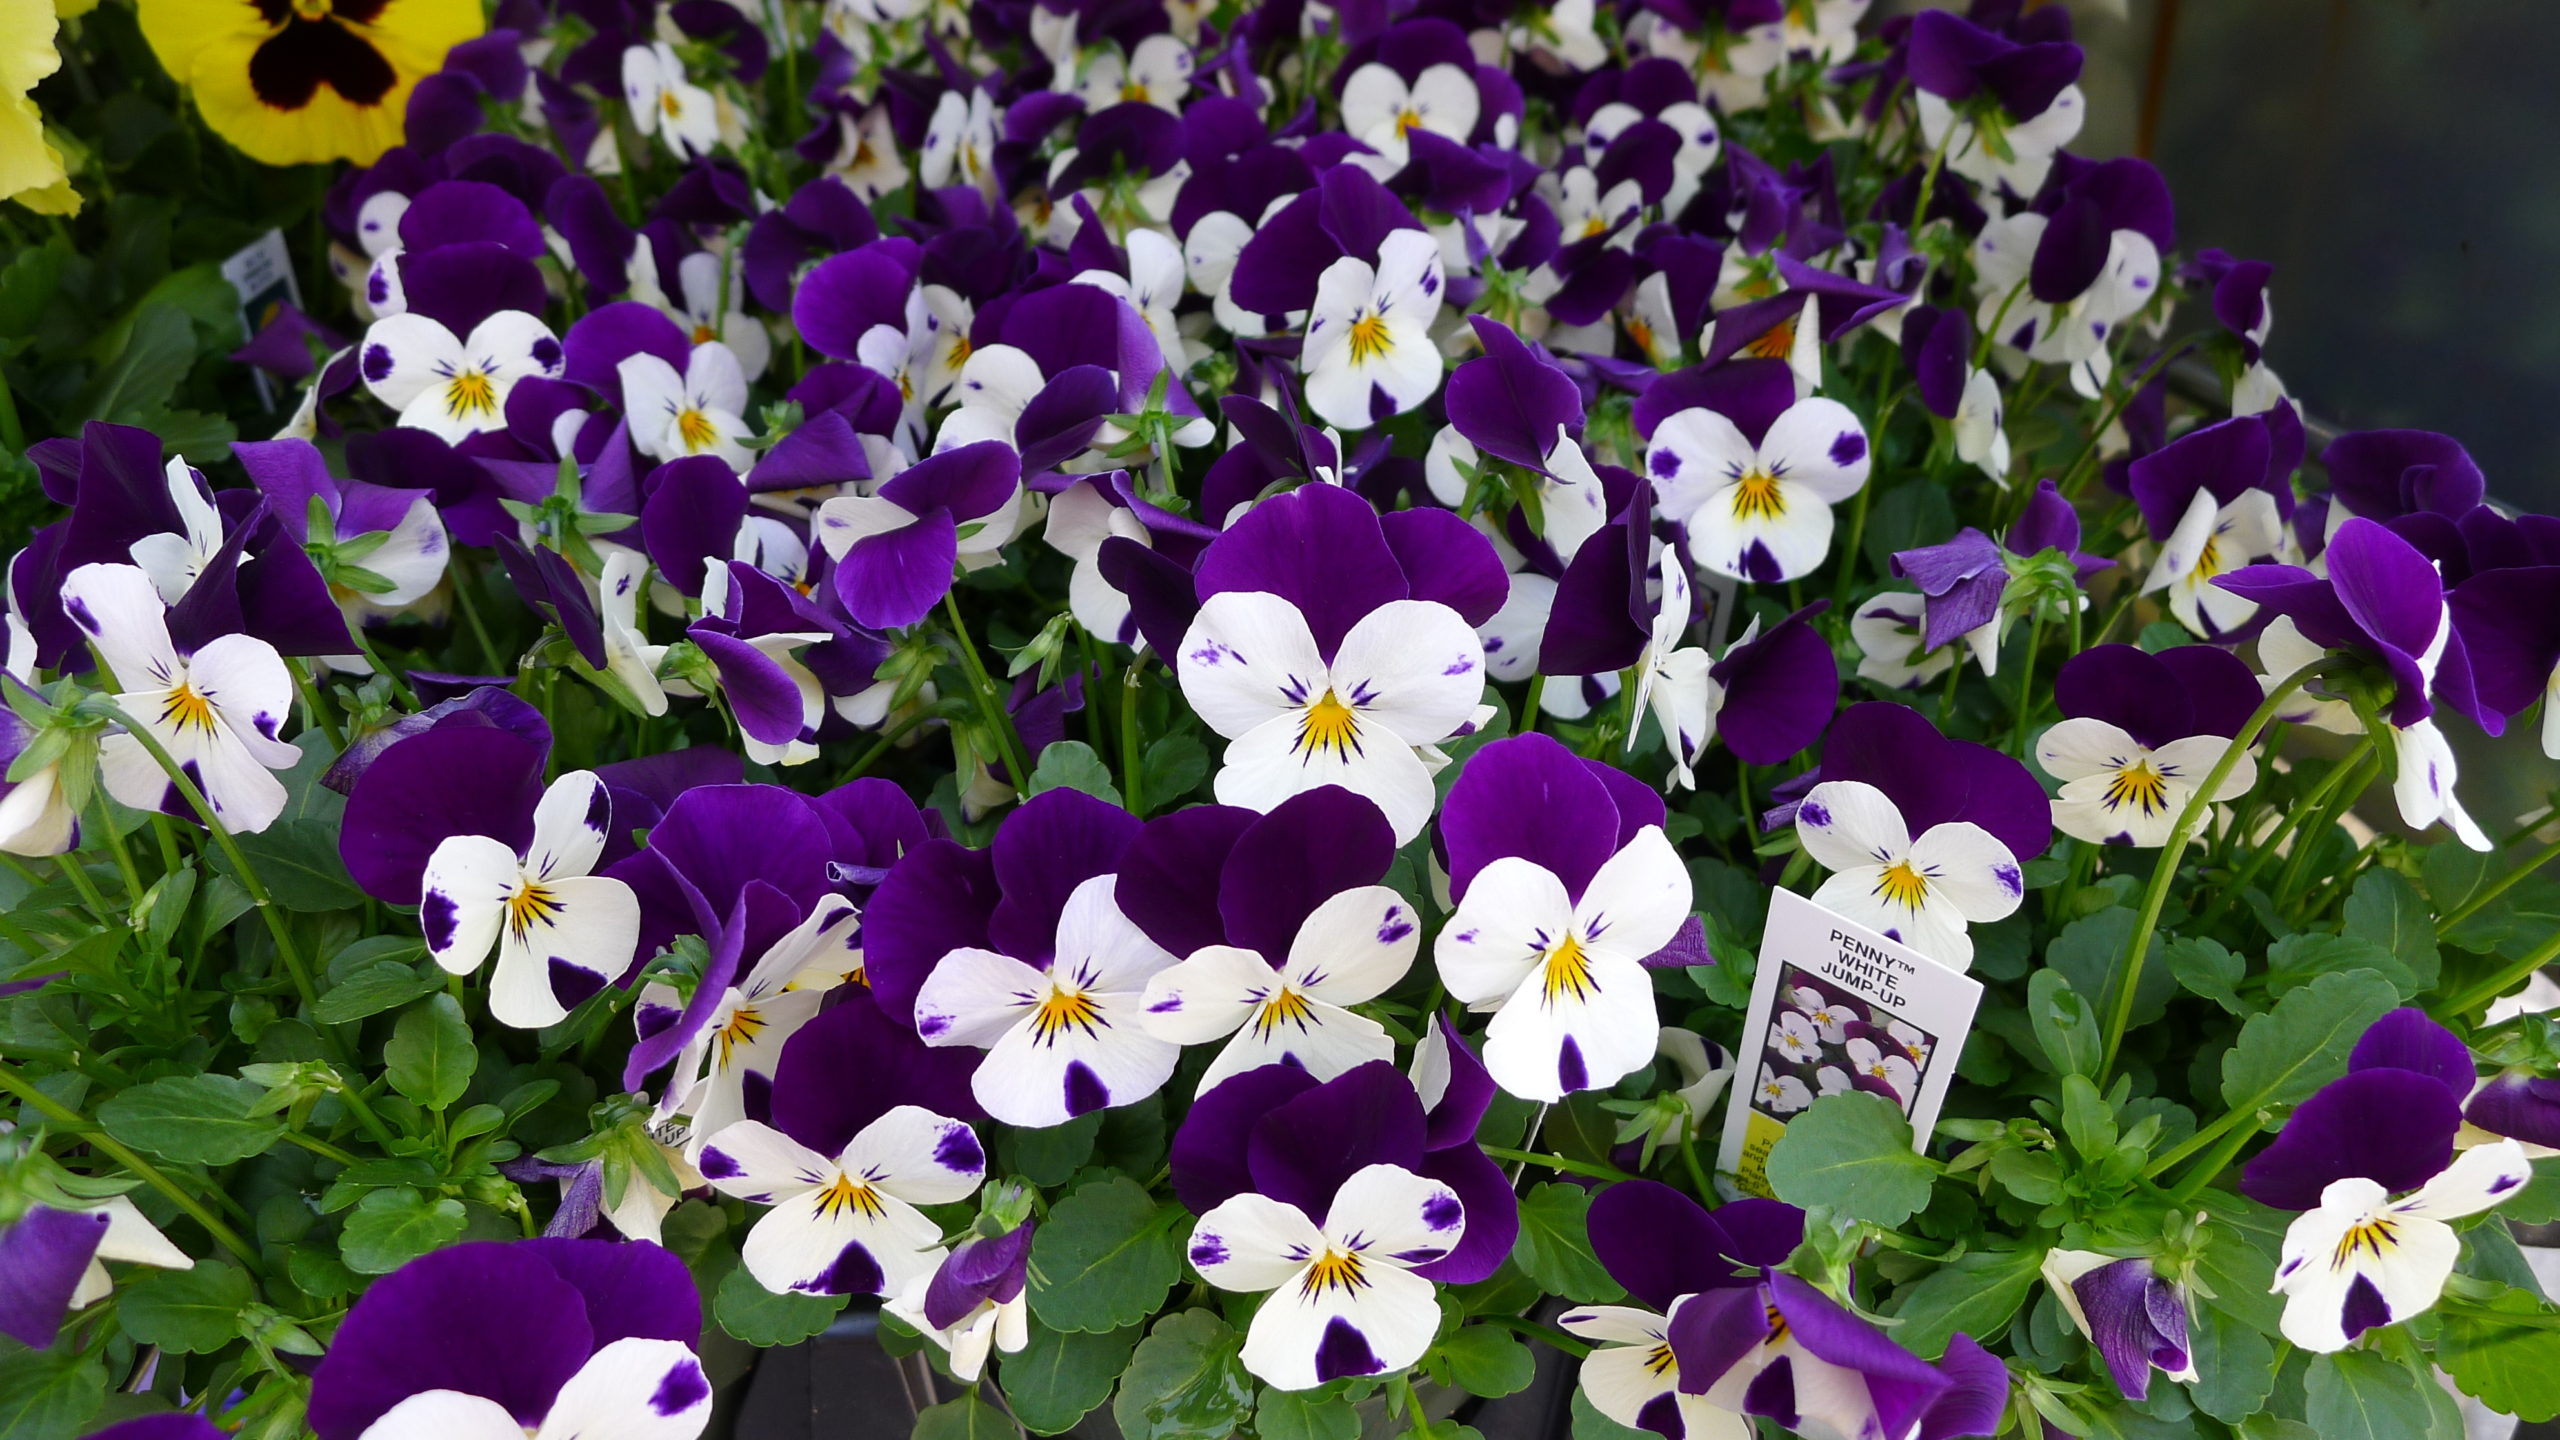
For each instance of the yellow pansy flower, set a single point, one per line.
(31, 171)
(296, 81)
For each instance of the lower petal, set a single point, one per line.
(633, 1389)
(1305, 1335)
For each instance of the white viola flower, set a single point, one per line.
(1705, 1067)
(666, 104)
(1368, 351)
(1827, 30)
(633, 1389)
(1888, 630)
(2118, 791)
(454, 388)
(1829, 1020)
(2364, 1260)
(561, 933)
(1781, 1093)
(1674, 681)
(1060, 1042)
(173, 559)
(1350, 950)
(127, 1236)
(846, 1224)
(1980, 440)
(2282, 651)
(1631, 1370)
(1080, 518)
(2020, 154)
(742, 1041)
(1564, 974)
(711, 304)
(1157, 72)
(629, 657)
(2212, 539)
(960, 142)
(1379, 109)
(1584, 212)
(868, 158)
(1759, 512)
(1832, 1080)
(1343, 1296)
(1886, 1065)
(1409, 674)
(2423, 783)
(1921, 892)
(1793, 1038)
(697, 413)
(2076, 331)
(217, 711)
(1153, 286)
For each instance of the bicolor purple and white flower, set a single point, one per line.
(848, 1223)
(561, 933)
(1759, 511)
(974, 1302)
(666, 104)
(700, 412)
(2142, 736)
(1921, 891)
(453, 387)
(2136, 1316)
(1349, 951)
(730, 1060)
(1368, 352)
(2363, 1259)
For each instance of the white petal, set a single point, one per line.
(1387, 1211)
(918, 1156)
(569, 826)
(1374, 95)
(1038, 1076)
(1446, 96)
(2188, 761)
(1414, 668)
(1382, 1322)
(1268, 766)
(404, 354)
(714, 379)
(1972, 868)
(1563, 1030)
(633, 1389)
(1208, 996)
(445, 1415)
(827, 1240)
(1512, 637)
(463, 899)
(251, 692)
(1695, 454)
(132, 1238)
(1847, 823)
(1513, 911)
(512, 344)
(1355, 945)
(1728, 531)
(1101, 949)
(1820, 445)
(1251, 1243)
(119, 609)
(1247, 657)
(758, 1163)
(2479, 1177)
(974, 996)
(576, 945)
(1305, 1033)
(2085, 746)
(1638, 900)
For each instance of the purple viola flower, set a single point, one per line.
(1282, 926)
(1332, 645)
(1754, 486)
(2391, 1118)
(2214, 502)
(1998, 108)
(973, 1304)
(2060, 278)
(553, 1338)
(2140, 736)
(2388, 474)
(1964, 580)
(1565, 886)
(895, 549)
(2136, 1316)
(469, 766)
(1782, 1349)
(2509, 623)
(1664, 1249)
(561, 932)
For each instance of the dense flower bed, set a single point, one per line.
(1141, 677)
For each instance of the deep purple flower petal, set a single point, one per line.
(1528, 796)
(488, 1318)
(1308, 849)
(1302, 1151)
(631, 1289)
(466, 777)
(853, 1064)
(1208, 1156)
(2394, 1127)
(2408, 1039)
(1319, 547)
(43, 1254)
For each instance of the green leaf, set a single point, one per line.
(2387, 910)
(190, 1312)
(376, 987)
(393, 1226)
(2238, 1263)
(157, 353)
(2090, 951)
(2302, 1044)
(1063, 1374)
(1488, 1361)
(762, 1318)
(1906, 517)
(2296, 960)
(2538, 1203)
(2359, 1395)
(2235, 1365)
(2205, 968)
(1977, 1293)
(1590, 1424)
(1554, 1248)
(1072, 765)
(430, 1058)
(28, 286)
(2512, 1369)
(1304, 1415)
(1174, 767)
(49, 1394)
(194, 1119)
(967, 1418)
(298, 860)
(2064, 1025)
(1105, 1259)
(1051, 1155)
(1185, 1381)
(2161, 635)
(1852, 1152)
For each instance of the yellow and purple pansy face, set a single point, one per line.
(299, 81)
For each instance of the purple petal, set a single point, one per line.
(631, 1289)
(1319, 547)
(1208, 1156)
(1302, 1151)
(487, 1318)
(1510, 401)
(2407, 1039)
(1308, 849)
(1058, 840)
(936, 899)
(1528, 796)
(1780, 690)
(2394, 1127)
(461, 778)
(1169, 875)
(42, 1257)
(853, 1064)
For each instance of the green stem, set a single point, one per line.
(2027, 683)
(2156, 895)
(78, 875)
(1557, 1162)
(880, 747)
(471, 617)
(1132, 756)
(2161, 1165)
(324, 716)
(2216, 1160)
(278, 927)
(2496, 888)
(990, 704)
(1529, 705)
(320, 1147)
(151, 1175)
(2360, 772)
(2261, 854)
(2502, 982)
(2089, 446)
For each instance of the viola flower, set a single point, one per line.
(1381, 108)
(1288, 959)
(973, 1303)
(1890, 631)
(1344, 1298)
(1795, 1038)
(1314, 656)
(2055, 282)
(36, 817)
(1565, 886)
(1064, 1041)
(297, 84)
(895, 550)
(1781, 1092)
(1777, 1347)
(216, 710)
(696, 413)
(2136, 1316)
(1922, 892)
(2210, 501)
(561, 933)
(2020, 103)
(503, 1340)
(724, 1074)
(1758, 510)
(2143, 732)
(1663, 1249)
(174, 558)
(846, 1224)
(54, 1258)
(666, 104)
(1368, 352)
(451, 388)
(1157, 71)
(960, 142)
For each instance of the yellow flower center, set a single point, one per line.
(742, 1027)
(704, 334)
(843, 1194)
(670, 104)
(1369, 339)
(533, 903)
(695, 431)
(2140, 785)
(1329, 725)
(1133, 91)
(2209, 559)
(1284, 1007)
(1408, 120)
(1337, 1268)
(2376, 1235)
(959, 351)
(1776, 343)
(1641, 333)
(469, 393)
(1777, 1327)
(1756, 497)
(1902, 885)
(1658, 1361)
(312, 9)
(1567, 972)
(187, 709)
(1064, 1010)
(1595, 227)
